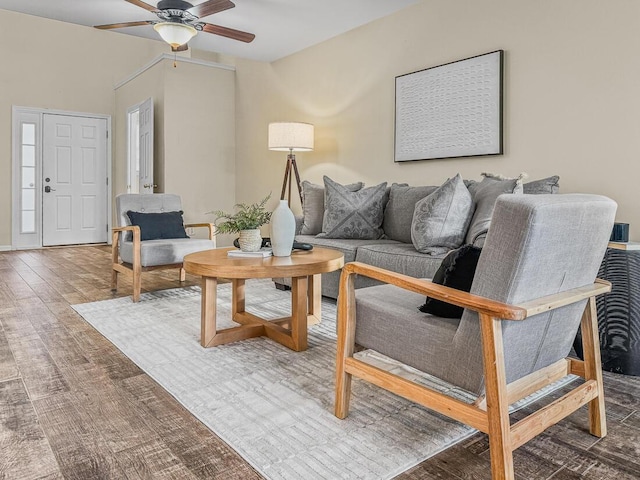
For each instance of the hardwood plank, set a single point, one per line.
(8, 366)
(78, 446)
(99, 402)
(152, 459)
(622, 446)
(25, 451)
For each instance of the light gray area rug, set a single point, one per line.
(270, 404)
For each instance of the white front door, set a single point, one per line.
(145, 145)
(74, 180)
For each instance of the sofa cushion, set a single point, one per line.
(353, 215)
(485, 194)
(164, 251)
(456, 271)
(313, 206)
(398, 213)
(401, 258)
(544, 185)
(348, 247)
(441, 219)
(162, 225)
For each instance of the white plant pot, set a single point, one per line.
(283, 230)
(250, 240)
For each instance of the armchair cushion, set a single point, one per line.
(456, 271)
(164, 251)
(155, 226)
(394, 327)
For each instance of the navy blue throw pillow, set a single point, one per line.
(456, 271)
(154, 226)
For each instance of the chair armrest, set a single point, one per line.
(476, 303)
(210, 226)
(129, 228)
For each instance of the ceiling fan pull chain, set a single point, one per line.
(175, 59)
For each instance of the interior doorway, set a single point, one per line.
(140, 148)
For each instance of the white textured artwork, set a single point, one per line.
(453, 110)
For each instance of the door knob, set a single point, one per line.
(48, 189)
(148, 185)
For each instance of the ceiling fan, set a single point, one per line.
(180, 21)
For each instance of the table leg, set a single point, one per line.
(314, 290)
(237, 296)
(208, 312)
(299, 310)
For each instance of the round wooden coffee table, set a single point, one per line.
(303, 267)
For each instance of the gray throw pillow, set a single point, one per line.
(544, 185)
(485, 194)
(313, 206)
(353, 214)
(441, 219)
(398, 213)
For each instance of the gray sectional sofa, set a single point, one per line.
(394, 249)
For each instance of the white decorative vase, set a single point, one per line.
(250, 240)
(283, 229)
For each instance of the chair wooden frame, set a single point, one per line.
(490, 412)
(135, 269)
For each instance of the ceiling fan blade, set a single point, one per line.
(141, 4)
(210, 7)
(181, 48)
(228, 32)
(125, 24)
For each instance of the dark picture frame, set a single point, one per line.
(450, 110)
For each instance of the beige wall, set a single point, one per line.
(50, 64)
(571, 96)
(199, 139)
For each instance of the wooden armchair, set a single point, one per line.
(132, 256)
(534, 285)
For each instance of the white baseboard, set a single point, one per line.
(5, 248)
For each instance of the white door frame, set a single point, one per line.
(35, 115)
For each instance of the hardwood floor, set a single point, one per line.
(72, 406)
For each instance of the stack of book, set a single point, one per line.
(262, 253)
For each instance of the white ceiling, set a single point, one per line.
(282, 27)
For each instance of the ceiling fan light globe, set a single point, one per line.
(175, 34)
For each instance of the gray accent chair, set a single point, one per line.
(131, 256)
(535, 284)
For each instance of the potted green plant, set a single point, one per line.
(246, 221)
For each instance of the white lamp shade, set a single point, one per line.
(175, 34)
(286, 136)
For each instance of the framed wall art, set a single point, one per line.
(452, 110)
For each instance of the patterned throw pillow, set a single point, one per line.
(440, 220)
(353, 214)
(544, 185)
(313, 206)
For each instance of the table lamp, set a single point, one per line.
(291, 137)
